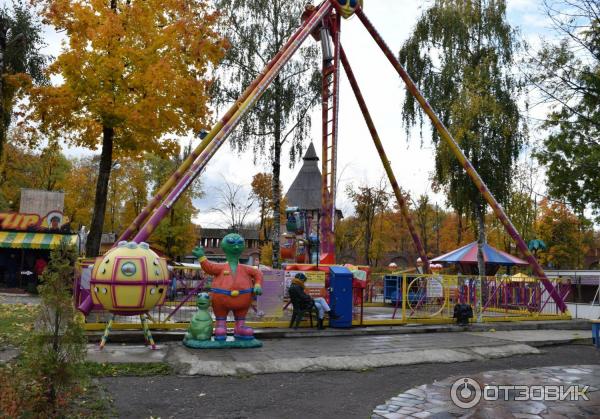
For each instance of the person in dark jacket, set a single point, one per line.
(302, 301)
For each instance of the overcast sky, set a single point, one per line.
(358, 162)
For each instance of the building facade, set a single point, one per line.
(210, 240)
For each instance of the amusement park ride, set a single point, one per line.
(323, 22)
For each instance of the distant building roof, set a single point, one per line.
(305, 192)
(219, 233)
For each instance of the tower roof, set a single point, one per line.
(305, 191)
(311, 153)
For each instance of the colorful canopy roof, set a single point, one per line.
(30, 240)
(468, 255)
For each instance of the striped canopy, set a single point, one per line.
(30, 240)
(468, 255)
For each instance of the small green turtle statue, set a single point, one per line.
(201, 326)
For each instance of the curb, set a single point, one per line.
(188, 364)
(134, 336)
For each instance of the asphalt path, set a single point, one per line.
(330, 394)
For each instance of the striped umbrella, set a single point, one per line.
(466, 257)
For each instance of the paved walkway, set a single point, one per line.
(8, 298)
(444, 399)
(339, 353)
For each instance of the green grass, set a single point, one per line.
(131, 369)
(16, 321)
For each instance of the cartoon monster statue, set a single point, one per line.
(232, 287)
(201, 326)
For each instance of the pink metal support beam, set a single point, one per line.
(451, 142)
(384, 160)
(188, 162)
(212, 146)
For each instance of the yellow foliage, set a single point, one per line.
(138, 67)
(266, 254)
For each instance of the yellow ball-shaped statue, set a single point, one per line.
(129, 279)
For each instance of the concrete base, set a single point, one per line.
(222, 344)
(188, 364)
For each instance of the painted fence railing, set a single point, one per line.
(387, 299)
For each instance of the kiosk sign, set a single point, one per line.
(53, 221)
(315, 282)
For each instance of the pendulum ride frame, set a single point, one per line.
(462, 158)
(168, 194)
(384, 160)
(228, 121)
(212, 142)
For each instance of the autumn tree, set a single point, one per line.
(135, 187)
(79, 195)
(566, 75)
(26, 168)
(257, 30)
(132, 73)
(176, 235)
(262, 191)
(369, 201)
(566, 235)
(21, 62)
(461, 55)
(52, 167)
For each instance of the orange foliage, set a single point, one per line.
(567, 236)
(139, 68)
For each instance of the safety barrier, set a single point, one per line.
(387, 299)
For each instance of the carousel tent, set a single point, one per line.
(466, 259)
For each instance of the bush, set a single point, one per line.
(47, 376)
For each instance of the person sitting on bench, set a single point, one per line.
(302, 301)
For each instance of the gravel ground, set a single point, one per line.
(337, 394)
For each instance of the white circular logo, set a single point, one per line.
(465, 393)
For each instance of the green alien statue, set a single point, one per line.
(201, 326)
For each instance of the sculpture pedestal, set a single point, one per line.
(220, 344)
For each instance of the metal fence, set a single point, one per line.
(385, 299)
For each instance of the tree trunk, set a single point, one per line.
(278, 115)
(367, 241)
(437, 230)
(459, 229)
(92, 247)
(480, 260)
(4, 120)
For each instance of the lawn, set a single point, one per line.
(16, 320)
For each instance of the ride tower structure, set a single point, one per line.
(330, 43)
(324, 23)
